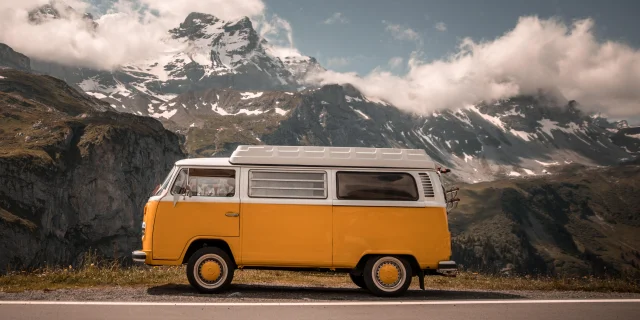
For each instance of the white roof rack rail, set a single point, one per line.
(332, 157)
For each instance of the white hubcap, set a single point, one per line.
(389, 274)
(210, 271)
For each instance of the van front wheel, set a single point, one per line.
(210, 270)
(387, 276)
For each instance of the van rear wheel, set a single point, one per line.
(210, 270)
(387, 276)
(358, 280)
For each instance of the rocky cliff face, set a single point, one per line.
(74, 176)
(578, 221)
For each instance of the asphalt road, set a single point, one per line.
(433, 310)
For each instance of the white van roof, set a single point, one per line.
(331, 157)
(204, 162)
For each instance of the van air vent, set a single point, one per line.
(427, 186)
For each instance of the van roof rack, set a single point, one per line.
(331, 156)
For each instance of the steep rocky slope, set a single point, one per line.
(11, 59)
(75, 174)
(578, 221)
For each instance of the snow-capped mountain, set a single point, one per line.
(521, 136)
(203, 52)
(220, 85)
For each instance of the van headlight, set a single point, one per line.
(144, 226)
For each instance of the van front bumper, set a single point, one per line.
(447, 268)
(139, 256)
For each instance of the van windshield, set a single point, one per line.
(165, 184)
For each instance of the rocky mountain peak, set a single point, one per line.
(50, 11)
(60, 10)
(194, 26)
(228, 43)
(622, 124)
(242, 23)
(301, 66)
(12, 59)
(199, 18)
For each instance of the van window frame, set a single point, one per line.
(173, 181)
(322, 171)
(165, 185)
(415, 186)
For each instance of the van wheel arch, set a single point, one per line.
(359, 269)
(201, 243)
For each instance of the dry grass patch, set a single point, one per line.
(95, 272)
(105, 275)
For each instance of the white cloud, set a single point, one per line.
(276, 30)
(536, 54)
(337, 17)
(402, 33)
(29, 4)
(395, 62)
(123, 35)
(278, 33)
(282, 52)
(338, 62)
(441, 26)
(174, 11)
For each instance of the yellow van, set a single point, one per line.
(379, 214)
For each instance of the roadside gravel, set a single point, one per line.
(283, 293)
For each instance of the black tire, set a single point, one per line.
(221, 262)
(374, 281)
(358, 281)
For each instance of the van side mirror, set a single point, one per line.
(176, 196)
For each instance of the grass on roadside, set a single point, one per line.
(93, 273)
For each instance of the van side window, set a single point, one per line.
(206, 182)
(389, 186)
(212, 182)
(287, 184)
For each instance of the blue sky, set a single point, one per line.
(359, 41)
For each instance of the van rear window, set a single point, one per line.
(388, 186)
(287, 184)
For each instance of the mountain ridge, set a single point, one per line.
(222, 87)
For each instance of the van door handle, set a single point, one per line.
(231, 214)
